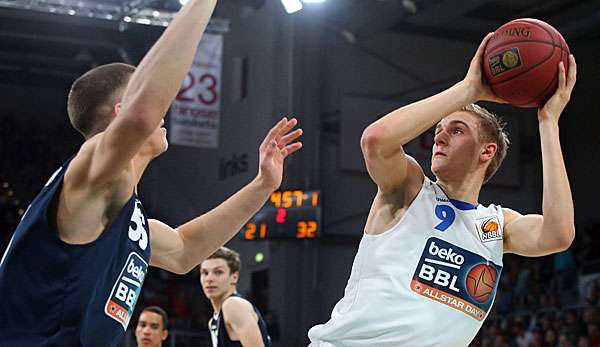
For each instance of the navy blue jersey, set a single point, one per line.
(221, 337)
(57, 294)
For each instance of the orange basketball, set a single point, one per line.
(481, 281)
(521, 61)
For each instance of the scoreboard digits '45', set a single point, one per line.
(289, 214)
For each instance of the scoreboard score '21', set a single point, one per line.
(289, 214)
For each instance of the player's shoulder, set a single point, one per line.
(78, 172)
(510, 215)
(90, 146)
(84, 155)
(235, 303)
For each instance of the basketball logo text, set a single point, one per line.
(489, 229)
(504, 61)
(455, 277)
(126, 290)
(514, 32)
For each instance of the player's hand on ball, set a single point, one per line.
(557, 103)
(474, 78)
(277, 145)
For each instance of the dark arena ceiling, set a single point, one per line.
(45, 41)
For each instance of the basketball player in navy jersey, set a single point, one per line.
(430, 259)
(75, 265)
(152, 327)
(235, 322)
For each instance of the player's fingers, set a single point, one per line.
(276, 130)
(484, 42)
(562, 80)
(572, 75)
(290, 137)
(499, 100)
(289, 126)
(481, 48)
(289, 149)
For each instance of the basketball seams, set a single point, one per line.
(543, 92)
(537, 25)
(554, 79)
(525, 71)
(560, 46)
(548, 57)
(533, 66)
(528, 71)
(549, 32)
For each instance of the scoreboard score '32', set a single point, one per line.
(289, 214)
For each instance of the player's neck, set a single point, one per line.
(462, 190)
(217, 302)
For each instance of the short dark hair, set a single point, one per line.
(159, 311)
(93, 95)
(230, 256)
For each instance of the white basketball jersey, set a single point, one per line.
(428, 281)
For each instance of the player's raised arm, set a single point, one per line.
(382, 141)
(179, 250)
(554, 231)
(150, 91)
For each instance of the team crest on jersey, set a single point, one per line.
(489, 229)
(457, 278)
(126, 290)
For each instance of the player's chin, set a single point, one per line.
(164, 146)
(440, 170)
(212, 294)
(160, 145)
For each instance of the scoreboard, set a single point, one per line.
(288, 214)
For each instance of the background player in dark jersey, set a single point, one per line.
(152, 327)
(87, 228)
(235, 322)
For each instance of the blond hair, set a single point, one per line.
(491, 129)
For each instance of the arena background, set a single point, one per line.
(336, 66)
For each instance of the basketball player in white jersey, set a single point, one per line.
(430, 259)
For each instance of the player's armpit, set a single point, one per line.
(239, 315)
(527, 235)
(167, 248)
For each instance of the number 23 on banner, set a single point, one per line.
(207, 89)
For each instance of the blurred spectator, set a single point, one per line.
(594, 334)
(583, 341)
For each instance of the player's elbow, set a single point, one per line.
(183, 269)
(370, 141)
(144, 111)
(182, 265)
(565, 235)
(140, 118)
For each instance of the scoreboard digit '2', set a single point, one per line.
(289, 214)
